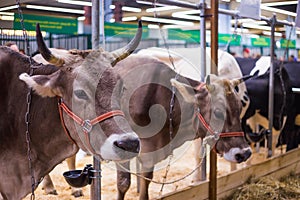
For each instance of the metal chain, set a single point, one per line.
(164, 182)
(172, 101)
(28, 101)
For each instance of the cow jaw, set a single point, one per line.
(237, 155)
(120, 147)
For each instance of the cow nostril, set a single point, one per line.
(239, 157)
(131, 145)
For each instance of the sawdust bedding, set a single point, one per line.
(178, 169)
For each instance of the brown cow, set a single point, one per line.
(87, 87)
(146, 104)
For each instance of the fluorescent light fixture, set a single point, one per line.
(239, 30)
(126, 8)
(282, 3)
(126, 19)
(226, 0)
(131, 9)
(80, 3)
(189, 12)
(8, 8)
(249, 21)
(7, 13)
(277, 34)
(255, 26)
(82, 18)
(168, 21)
(7, 18)
(112, 20)
(182, 16)
(263, 7)
(153, 26)
(160, 9)
(55, 9)
(173, 26)
(150, 3)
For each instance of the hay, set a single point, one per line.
(266, 188)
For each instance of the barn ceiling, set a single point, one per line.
(283, 9)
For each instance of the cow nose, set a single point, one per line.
(241, 157)
(129, 145)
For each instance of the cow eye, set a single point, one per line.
(81, 94)
(219, 114)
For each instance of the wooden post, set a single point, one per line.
(214, 70)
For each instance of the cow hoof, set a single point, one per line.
(77, 193)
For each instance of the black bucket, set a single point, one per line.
(79, 178)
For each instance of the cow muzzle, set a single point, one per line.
(238, 155)
(121, 147)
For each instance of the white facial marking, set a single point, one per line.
(230, 155)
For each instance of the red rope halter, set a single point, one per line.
(86, 125)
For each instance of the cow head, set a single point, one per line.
(89, 88)
(220, 108)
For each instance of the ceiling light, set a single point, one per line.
(246, 20)
(277, 34)
(153, 26)
(55, 9)
(7, 13)
(239, 30)
(131, 9)
(191, 17)
(282, 3)
(8, 8)
(126, 8)
(168, 21)
(189, 12)
(150, 3)
(163, 8)
(263, 7)
(126, 19)
(82, 18)
(255, 26)
(80, 3)
(7, 18)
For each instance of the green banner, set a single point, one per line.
(261, 42)
(58, 25)
(187, 35)
(284, 43)
(235, 40)
(123, 30)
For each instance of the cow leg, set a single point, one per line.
(71, 161)
(144, 184)
(123, 179)
(47, 185)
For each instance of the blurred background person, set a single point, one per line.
(246, 53)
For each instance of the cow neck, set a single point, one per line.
(208, 128)
(86, 125)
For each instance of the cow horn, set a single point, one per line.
(209, 86)
(236, 82)
(122, 53)
(43, 49)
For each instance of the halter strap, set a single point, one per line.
(86, 125)
(209, 129)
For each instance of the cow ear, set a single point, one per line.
(186, 91)
(44, 85)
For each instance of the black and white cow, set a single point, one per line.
(284, 98)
